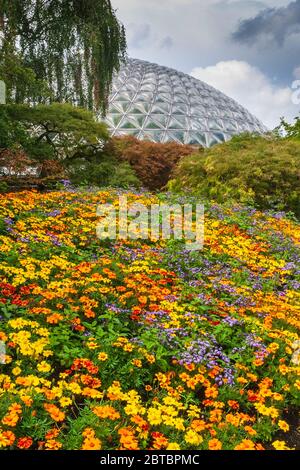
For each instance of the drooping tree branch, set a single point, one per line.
(73, 45)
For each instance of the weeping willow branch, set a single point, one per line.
(73, 45)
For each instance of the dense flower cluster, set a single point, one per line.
(143, 344)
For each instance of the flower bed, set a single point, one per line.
(145, 345)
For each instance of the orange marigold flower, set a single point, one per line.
(211, 392)
(127, 439)
(7, 438)
(246, 444)
(92, 443)
(54, 432)
(198, 425)
(214, 444)
(258, 362)
(52, 444)
(136, 363)
(250, 430)
(10, 420)
(106, 412)
(54, 318)
(54, 412)
(159, 440)
(15, 408)
(233, 404)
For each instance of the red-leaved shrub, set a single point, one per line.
(152, 162)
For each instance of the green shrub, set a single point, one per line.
(3, 188)
(289, 130)
(102, 171)
(251, 169)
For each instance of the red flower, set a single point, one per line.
(24, 442)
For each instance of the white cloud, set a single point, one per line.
(252, 89)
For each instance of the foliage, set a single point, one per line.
(134, 344)
(251, 169)
(22, 84)
(53, 131)
(14, 162)
(63, 141)
(290, 130)
(101, 169)
(72, 46)
(152, 162)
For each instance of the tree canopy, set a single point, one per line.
(74, 46)
(51, 131)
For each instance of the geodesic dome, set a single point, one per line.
(160, 104)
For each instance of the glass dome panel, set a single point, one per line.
(160, 104)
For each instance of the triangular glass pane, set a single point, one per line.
(124, 105)
(161, 119)
(127, 124)
(181, 98)
(211, 139)
(139, 119)
(152, 125)
(215, 124)
(148, 87)
(180, 109)
(196, 139)
(181, 120)
(145, 97)
(115, 108)
(116, 119)
(198, 124)
(171, 137)
(174, 124)
(161, 109)
(144, 107)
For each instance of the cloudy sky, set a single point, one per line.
(249, 49)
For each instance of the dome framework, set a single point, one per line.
(157, 103)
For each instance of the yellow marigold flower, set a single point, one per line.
(154, 416)
(242, 380)
(280, 445)
(136, 363)
(277, 396)
(65, 401)
(43, 367)
(283, 425)
(102, 356)
(27, 400)
(192, 437)
(150, 358)
(272, 348)
(173, 446)
(16, 371)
